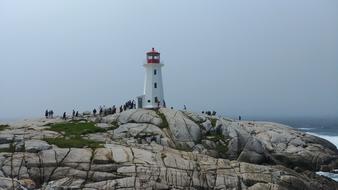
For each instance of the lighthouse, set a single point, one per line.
(153, 96)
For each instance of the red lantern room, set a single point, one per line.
(153, 56)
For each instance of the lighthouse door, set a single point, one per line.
(139, 102)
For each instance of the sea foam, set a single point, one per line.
(332, 139)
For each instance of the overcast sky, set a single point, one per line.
(251, 58)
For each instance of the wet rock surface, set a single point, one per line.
(163, 149)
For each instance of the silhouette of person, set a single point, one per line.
(101, 111)
(164, 104)
(50, 113)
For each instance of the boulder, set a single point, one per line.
(102, 125)
(183, 129)
(34, 146)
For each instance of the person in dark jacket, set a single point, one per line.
(101, 110)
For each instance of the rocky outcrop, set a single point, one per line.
(155, 167)
(253, 142)
(165, 149)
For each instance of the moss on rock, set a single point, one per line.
(164, 123)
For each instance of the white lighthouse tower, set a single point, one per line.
(153, 96)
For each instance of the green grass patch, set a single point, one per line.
(198, 122)
(3, 127)
(183, 147)
(213, 121)
(221, 150)
(75, 142)
(221, 143)
(115, 124)
(72, 134)
(75, 128)
(216, 137)
(164, 123)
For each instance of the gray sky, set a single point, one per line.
(254, 58)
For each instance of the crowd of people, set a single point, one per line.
(209, 113)
(101, 111)
(49, 113)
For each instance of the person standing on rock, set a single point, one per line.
(77, 114)
(73, 115)
(114, 109)
(94, 112)
(185, 107)
(239, 118)
(50, 113)
(101, 111)
(46, 114)
(134, 105)
(64, 116)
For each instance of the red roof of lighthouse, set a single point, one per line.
(153, 51)
(153, 56)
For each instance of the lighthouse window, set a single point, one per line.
(155, 71)
(155, 85)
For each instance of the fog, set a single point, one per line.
(252, 58)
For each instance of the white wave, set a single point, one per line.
(306, 129)
(332, 139)
(330, 175)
